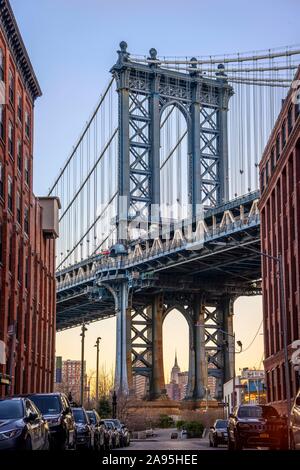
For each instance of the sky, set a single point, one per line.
(72, 45)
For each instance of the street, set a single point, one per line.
(162, 441)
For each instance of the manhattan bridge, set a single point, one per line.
(159, 204)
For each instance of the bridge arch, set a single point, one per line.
(175, 124)
(187, 338)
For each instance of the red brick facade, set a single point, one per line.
(27, 271)
(280, 234)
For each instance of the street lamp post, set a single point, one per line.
(97, 368)
(114, 405)
(239, 343)
(82, 334)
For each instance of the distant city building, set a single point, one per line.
(71, 379)
(140, 383)
(211, 382)
(280, 222)
(249, 389)
(176, 389)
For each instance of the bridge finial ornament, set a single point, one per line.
(153, 53)
(153, 57)
(221, 72)
(193, 67)
(123, 54)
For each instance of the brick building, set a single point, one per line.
(28, 227)
(280, 235)
(71, 379)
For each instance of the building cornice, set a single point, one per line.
(15, 42)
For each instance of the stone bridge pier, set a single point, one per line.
(140, 341)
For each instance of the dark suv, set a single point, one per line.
(256, 426)
(56, 408)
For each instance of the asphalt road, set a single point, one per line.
(163, 441)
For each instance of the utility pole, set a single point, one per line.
(97, 368)
(114, 405)
(82, 334)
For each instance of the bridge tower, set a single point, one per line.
(144, 92)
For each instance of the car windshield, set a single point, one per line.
(116, 422)
(47, 404)
(92, 417)
(257, 412)
(221, 424)
(109, 424)
(10, 409)
(79, 416)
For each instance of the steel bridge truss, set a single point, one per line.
(144, 93)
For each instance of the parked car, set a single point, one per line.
(123, 432)
(294, 425)
(99, 429)
(256, 426)
(108, 435)
(218, 433)
(22, 426)
(56, 408)
(84, 429)
(114, 432)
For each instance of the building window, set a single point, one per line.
(297, 106)
(11, 86)
(26, 220)
(27, 172)
(27, 124)
(1, 65)
(262, 180)
(20, 264)
(2, 121)
(290, 120)
(27, 272)
(1, 243)
(18, 204)
(283, 134)
(10, 253)
(19, 155)
(272, 158)
(277, 147)
(20, 108)
(10, 193)
(11, 139)
(1, 179)
(267, 172)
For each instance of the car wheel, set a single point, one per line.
(230, 445)
(47, 443)
(28, 443)
(292, 442)
(237, 443)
